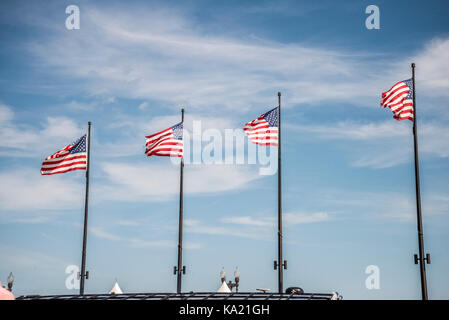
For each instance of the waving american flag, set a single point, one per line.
(72, 157)
(166, 143)
(400, 100)
(264, 130)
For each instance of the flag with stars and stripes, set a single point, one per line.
(264, 130)
(400, 100)
(166, 143)
(72, 157)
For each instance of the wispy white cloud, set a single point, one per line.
(432, 67)
(350, 130)
(198, 227)
(392, 206)
(303, 218)
(156, 182)
(128, 223)
(143, 105)
(290, 218)
(25, 189)
(181, 63)
(137, 242)
(250, 221)
(30, 259)
(383, 144)
(252, 227)
(29, 191)
(18, 139)
(91, 104)
(102, 234)
(6, 114)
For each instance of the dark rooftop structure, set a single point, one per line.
(212, 296)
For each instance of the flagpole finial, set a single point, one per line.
(413, 64)
(279, 94)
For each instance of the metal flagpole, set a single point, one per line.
(280, 264)
(421, 258)
(85, 275)
(179, 270)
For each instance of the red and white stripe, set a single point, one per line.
(164, 144)
(259, 132)
(396, 100)
(62, 161)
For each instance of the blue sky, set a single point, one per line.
(348, 177)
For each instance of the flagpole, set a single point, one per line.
(85, 275)
(421, 259)
(179, 270)
(280, 264)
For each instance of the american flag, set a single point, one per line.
(400, 100)
(166, 143)
(264, 130)
(72, 157)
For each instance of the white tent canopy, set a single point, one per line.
(116, 289)
(224, 288)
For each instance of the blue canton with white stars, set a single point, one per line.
(177, 131)
(272, 117)
(409, 83)
(79, 145)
